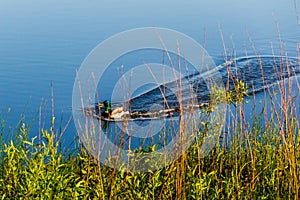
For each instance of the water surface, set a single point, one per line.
(46, 42)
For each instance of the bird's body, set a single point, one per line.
(105, 111)
(108, 112)
(118, 113)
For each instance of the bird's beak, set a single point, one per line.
(100, 105)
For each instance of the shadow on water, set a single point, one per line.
(258, 73)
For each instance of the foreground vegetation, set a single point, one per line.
(260, 161)
(269, 170)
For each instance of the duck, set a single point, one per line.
(110, 113)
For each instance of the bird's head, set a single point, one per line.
(106, 104)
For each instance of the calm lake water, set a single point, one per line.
(44, 42)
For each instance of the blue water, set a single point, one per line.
(44, 42)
